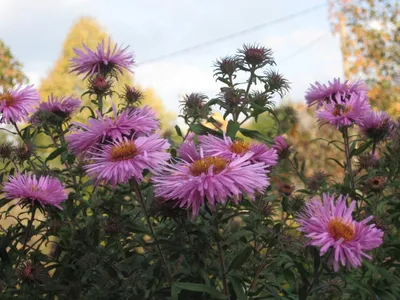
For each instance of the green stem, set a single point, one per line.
(221, 259)
(100, 101)
(301, 176)
(27, 234)
(348, 158)
(148, 221)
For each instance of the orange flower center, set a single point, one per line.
(202, 165)
(123, 151)
(8, 98)
(339, 230)
(240, 147)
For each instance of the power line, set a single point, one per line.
(232, 35)
(303, 48)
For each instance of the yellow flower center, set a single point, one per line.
(240, 147)
(123, 151)
(339, 230)
(202, 165)
(340, 109)
(8, 98)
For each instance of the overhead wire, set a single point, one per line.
(232, 35)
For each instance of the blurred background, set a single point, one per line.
(176, 41)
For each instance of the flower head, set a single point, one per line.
(103, 60)
(211, 179)
(61, 105)
(225, 66)
(126, 159)
(368, 160)
(15, 105)
(317, 180)
(34, 272)
(99, 85)
(330, 225)
(345, 112)
(335, 91)
(281, 146)
(226, 148)
(285, 188)
(256, 55)
(133, 122)
(132, 95)
(376, 125)
(44, 190)
(188, 150)
(193, 106)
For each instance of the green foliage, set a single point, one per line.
(10, 69)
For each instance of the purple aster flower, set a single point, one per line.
(15, 105)
(102, 61)
(281, 146)
(330, 225)
(227, 149)
(130, 122)
(45, 190)
(62, 106)
(126, 159)
(376, 125)
(211, 179)
(334, 91)
(345, 112)
(188, 150)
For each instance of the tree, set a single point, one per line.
(10, 69)
(60, 82)
(370, 36)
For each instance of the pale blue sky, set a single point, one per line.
(36, 29)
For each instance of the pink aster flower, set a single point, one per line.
(126, 159)
(330, 225)
(345, 112)
(211, 179)
(227, 149)
(334, 91)
(130, 122)
(15, 105)
(63, 106)
(103, 60)
(281, 146)
(188, 150)
(376, 125)
(45, 190)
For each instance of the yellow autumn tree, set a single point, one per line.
(60, 82)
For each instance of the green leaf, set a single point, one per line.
(237, 288)
(149, 197)
(178, 130)
(55, 153)
(360, 149)
(336, 161)
(232, 129)
(240, 259)
(200, 129)
(254, 134)
(195, 287)
(237, 235)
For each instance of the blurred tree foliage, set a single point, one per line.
(370, 32)
(298, 124)
(60, 82)
(10, 69)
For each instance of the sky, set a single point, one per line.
(303, 46)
